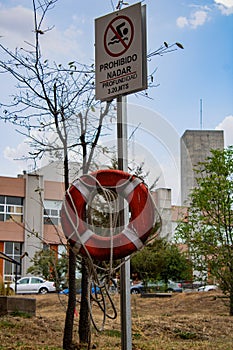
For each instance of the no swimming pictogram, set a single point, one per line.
(118, 36)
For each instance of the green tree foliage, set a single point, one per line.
(161, 260)
(49, 266)
(208, 229)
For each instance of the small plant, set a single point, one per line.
(7, 324)
(112, 333)
(185, 334)
(20, 314)
(136, 335)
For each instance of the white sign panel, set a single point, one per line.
(120, 52)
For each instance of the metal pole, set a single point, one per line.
(201, 122)
(126, 328)
(16, 277)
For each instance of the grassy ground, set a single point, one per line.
(197, 321)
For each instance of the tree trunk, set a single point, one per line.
(231, 302)
(85, 321)
(68, 330)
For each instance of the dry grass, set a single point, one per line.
(185, 321)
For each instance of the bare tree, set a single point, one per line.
(55, 108)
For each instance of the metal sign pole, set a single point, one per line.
(121, 68)
(126, 328)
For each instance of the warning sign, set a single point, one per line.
(120, 52)
(118, 36)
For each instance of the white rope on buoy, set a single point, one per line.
(102, 286)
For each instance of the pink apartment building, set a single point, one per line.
(28, 204)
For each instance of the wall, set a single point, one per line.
(33, 217)
(195, 147)
(162, 199)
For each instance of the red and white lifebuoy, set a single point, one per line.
(131, 238)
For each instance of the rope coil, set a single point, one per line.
(112, 184)
(80, 229)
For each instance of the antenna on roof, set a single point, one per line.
(201, 122)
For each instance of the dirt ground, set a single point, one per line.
(183, 321)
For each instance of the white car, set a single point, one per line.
(207, 288)
(28, 285)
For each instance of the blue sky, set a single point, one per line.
(203, 70)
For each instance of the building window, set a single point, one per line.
(11, 208)
(52, 212)
(14, 251)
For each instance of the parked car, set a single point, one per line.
(191, 285)
(27, 285)
(94, 290)
(159, 286)
(136, 288)
(174, 287)
(207, 288)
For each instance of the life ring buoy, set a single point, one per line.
(132, 237)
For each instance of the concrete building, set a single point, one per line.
(195, 147)
(162, 199)
(28, 204)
